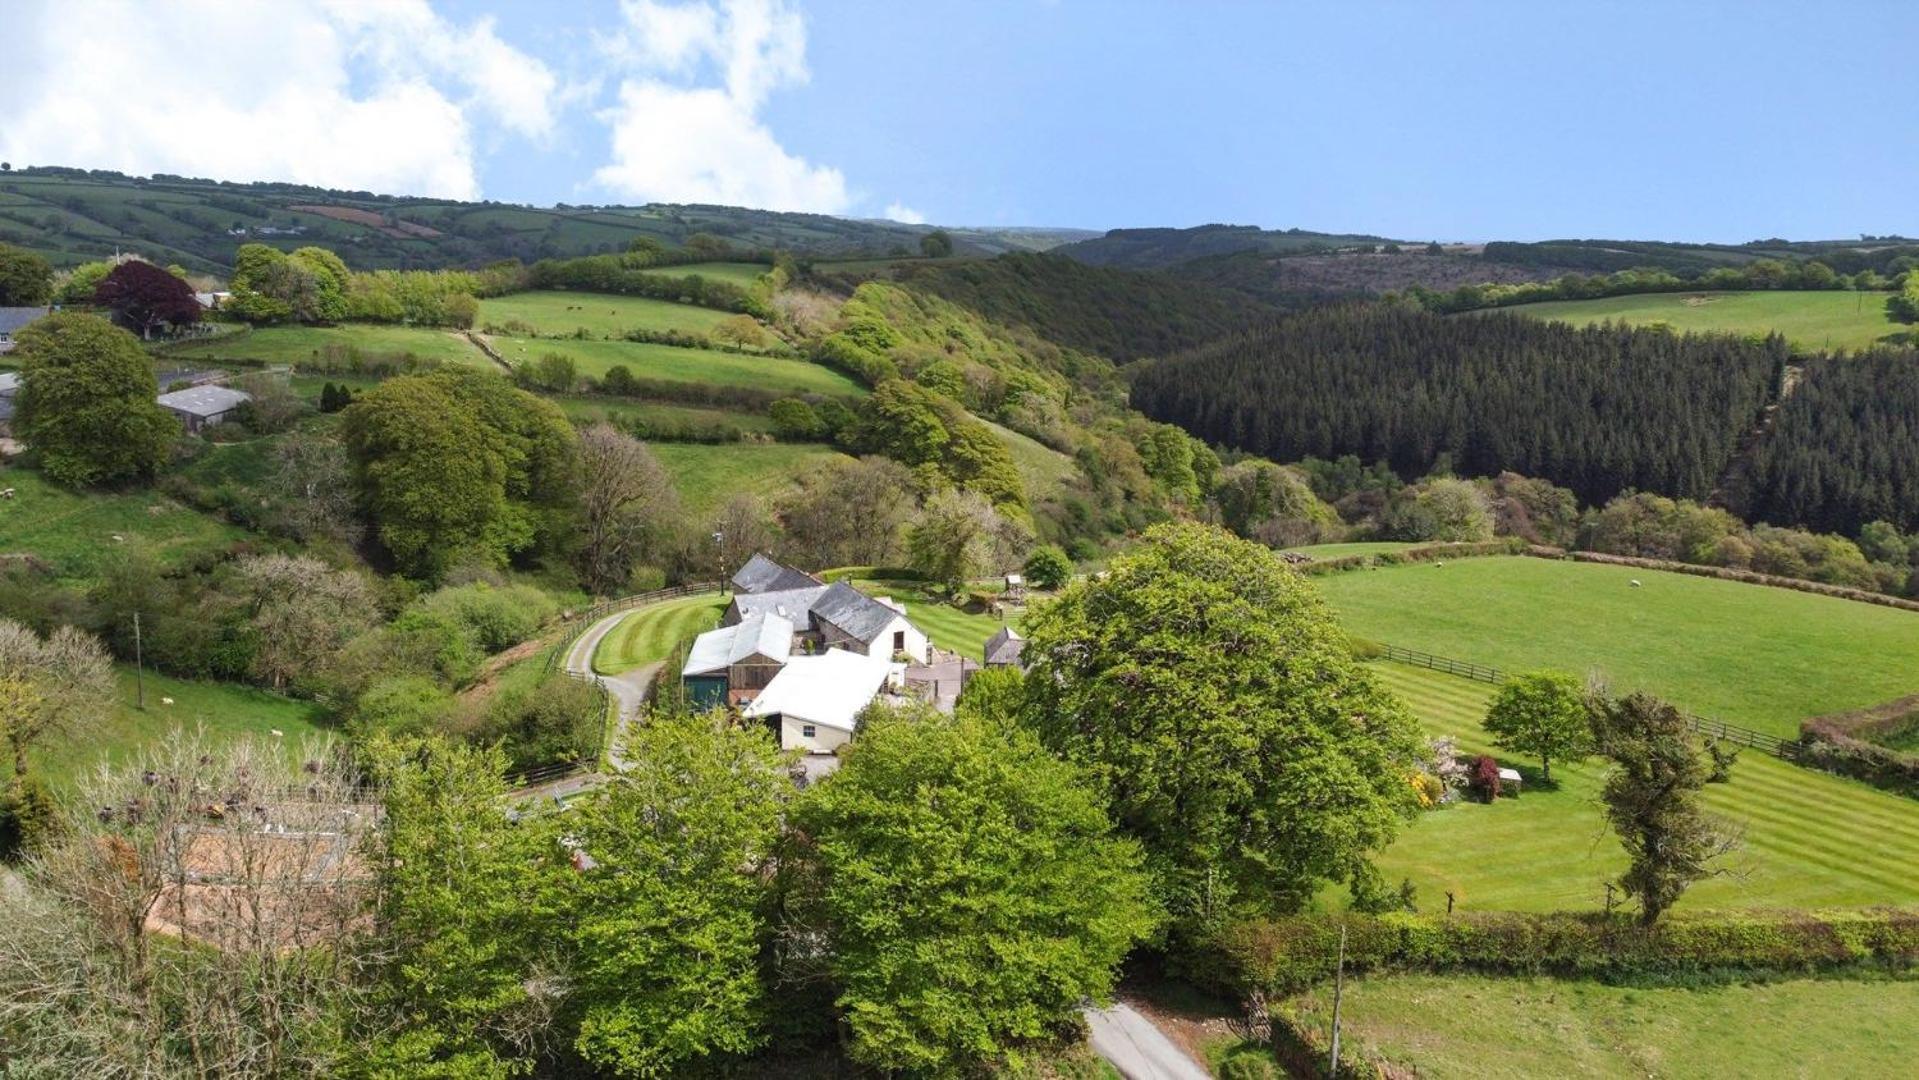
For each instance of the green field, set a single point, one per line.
(1810, 320)
(74, 532)
(651, 633)
(558, 313)
(658, 414)
(741, 274)
(1752, 655)
(1811, 839)
(674, 364)
(223, 711)
(1362, 547)
(1474, 1026)
(707, 476)
(1043, 470)
(303, 344)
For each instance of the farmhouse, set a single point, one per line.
(12, 319)
(201, 407)
(836, 616)
(761, 575)
(815, 700)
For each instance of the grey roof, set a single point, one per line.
(762, 635)
(204, 401)
(13, 318)
(762, 575)
(792, 604)
(853, 611)
(9, 383)
(1004, 646)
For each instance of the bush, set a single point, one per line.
(1277, 956)
(559, 720)
(1248, 1067)
(795, 421)
(29, 816)
(404, 705)
(492, 618)
(1484, 779)
(1048, 567)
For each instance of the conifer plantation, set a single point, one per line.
(1598, 410)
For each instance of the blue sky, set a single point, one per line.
(1455, 121)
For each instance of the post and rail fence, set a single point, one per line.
(577, 623)
(1785, 749)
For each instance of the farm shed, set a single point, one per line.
(731, 665)
(814, 701)
(201, 407)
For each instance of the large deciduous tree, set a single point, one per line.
(1652, 800)
(144, 298)
(848, 513)
(957, 537)
(1213, 695)
(300, 611)
(670, 913)
(26, 279)
(1541, 714)
(971, 891)
(86, 401)
(626, 500)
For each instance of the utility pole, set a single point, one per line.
(139, 668)
(1339, 988)
(719, 556)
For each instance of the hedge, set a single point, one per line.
(1428, 553)
(1276, 956)
(1727, 573)
(1843, 743)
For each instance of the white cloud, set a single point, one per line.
(266, 91)
(904, 214)
(686, 126)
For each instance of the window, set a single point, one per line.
(899, 641)
(806, 730)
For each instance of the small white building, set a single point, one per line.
(816, 700)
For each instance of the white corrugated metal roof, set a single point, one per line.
(829, 689)
(714, 651)
(204, 401)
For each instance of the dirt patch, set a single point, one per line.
(489, 677)
(377, 222)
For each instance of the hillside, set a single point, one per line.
(1120, 314)
(1157, 249)
(73, 215)
(1811, 320)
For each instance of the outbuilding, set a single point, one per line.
(201, 407)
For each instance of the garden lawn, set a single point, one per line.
(224, 711)
(651, 633)
(1752, 655)
(1478, 1026)
(1810, 320)
(73, 532)
(1811, 839)
(673, 364)
(742, 274)
(306, 344)
(708, 475)
(600, 315)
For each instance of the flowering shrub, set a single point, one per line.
(1485, 778)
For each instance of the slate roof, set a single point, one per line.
(853, 612)
(716, 650)
(1005, 646)
(13, 318)
(204, 401)
(762, 575)
(790, 604)
(829, 689)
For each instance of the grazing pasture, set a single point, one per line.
(1044, 470)
(737, 273)
(1751, 655)
(1810, 320)
(223, 711)
(74, 532)
(673, 364)
(304, 344)
(650, 633)
(558, 313)
(707, 476)
(1811, 839)
(1470, 1025)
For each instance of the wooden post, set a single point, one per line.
(139, 668)
(1339, 987)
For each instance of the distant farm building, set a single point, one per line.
(1003, 649)
(201, 407)
(12, 319)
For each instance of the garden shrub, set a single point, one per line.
(493, 618)
(1287, 954)
(1484, 779)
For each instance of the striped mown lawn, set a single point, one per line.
(948, 627)
(1811, 839)
(650, 633)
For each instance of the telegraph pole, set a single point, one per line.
(139, 668)
(1339, 987)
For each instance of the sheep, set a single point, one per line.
(1635, 583)
(277, 733)
(166, 701)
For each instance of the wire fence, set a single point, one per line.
(1786, 749)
